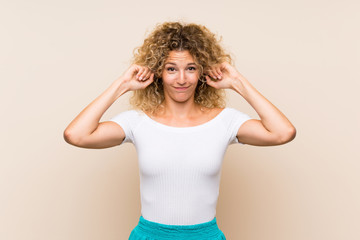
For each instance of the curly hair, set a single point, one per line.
(168, 36)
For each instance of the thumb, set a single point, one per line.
(210, 82)
(150, 80)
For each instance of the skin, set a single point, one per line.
(179, 108)
(273, 128)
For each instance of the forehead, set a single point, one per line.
(179, 56)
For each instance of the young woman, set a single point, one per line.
(180, 127)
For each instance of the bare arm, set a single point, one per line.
(273, 128)
(86, 131)
(88, 119)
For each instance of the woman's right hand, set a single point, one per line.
(137, 77)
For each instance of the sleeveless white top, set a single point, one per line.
(180, 167)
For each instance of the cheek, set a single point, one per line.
(195, 76)
(167, 76)
(170, 78)
(194, 79)
(167, 79)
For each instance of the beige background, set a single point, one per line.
(58, 56)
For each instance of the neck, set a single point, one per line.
(180, 110)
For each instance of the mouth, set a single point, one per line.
(181, 88)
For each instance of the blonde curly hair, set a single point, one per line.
(168, 36)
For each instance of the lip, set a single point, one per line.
(181, 88)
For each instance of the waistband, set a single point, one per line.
(204, 230)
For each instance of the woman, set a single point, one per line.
(180, 127)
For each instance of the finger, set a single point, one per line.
(211, 74)
(209, 81)
(148, 75)
(215, 72)
(144, 73)
(151, 79)
(141, 70)
(218, 72)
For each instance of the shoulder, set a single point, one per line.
(131, 116)
(234, 111)
(212, 112)
(234, 115)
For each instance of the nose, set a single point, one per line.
(182, 77)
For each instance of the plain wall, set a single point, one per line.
(58, 56)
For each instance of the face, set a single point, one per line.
(180, 76)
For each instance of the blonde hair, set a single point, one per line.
(168, 36)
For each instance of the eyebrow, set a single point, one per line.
(175, 63)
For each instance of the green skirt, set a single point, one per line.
(148, 230)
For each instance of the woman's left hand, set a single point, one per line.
(227, 76)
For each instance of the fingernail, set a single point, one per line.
(140, 78)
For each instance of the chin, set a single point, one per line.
(182, 99)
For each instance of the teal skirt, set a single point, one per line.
(148, 230)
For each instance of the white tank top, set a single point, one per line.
(180, 167)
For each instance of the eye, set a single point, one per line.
(193, 68)
(170, 69)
